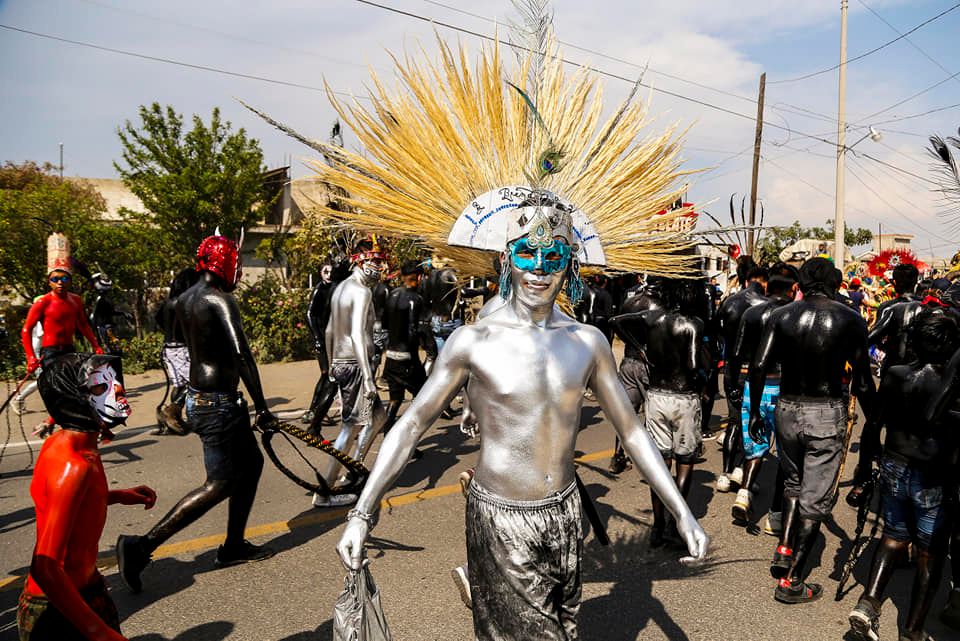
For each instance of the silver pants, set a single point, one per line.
(524, 563)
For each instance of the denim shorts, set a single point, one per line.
(914, 504)
(222, 421)
(768, 408)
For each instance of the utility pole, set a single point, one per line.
(752, 233)
(838, 224)
(61, 161)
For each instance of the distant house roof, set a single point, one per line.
(307, 194)
(116, 195)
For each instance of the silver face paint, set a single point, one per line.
(536, 289)
(526, 366)
(372, 270)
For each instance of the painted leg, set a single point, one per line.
(659, 517)
(925, 584)
(792, 588)
(783, 556)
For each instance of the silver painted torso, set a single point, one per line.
(526, 388)
(352, 299)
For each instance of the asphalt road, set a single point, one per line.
(630, 592)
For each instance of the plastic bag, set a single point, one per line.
(358, 614)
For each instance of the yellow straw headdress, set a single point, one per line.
(455, 131)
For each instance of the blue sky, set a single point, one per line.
(56, 92)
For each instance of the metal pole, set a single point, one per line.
(756, 164)
(838, 224)
(61, 160)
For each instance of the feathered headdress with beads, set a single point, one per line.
(460, 137)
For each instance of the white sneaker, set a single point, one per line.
(337, 500)
(723, 483)
(737, 476)
(460, 579)
(741, 507)
(774, 524)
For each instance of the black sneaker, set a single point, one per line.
(246, 552)
(131, 560)
(865, 622)
(792, 592)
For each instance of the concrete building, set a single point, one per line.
(284, 215)
(883, 242)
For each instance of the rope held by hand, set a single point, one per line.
(357, 472)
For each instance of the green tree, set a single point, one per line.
(191, 182)
(35, 201)
(773, 240)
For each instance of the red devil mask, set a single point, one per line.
(221, 256)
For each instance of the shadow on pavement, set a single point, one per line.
(142, 389)
(325, 631)
(441, 450)
(630, 606)
(213, 631)
(16, 519)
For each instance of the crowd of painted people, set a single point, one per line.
(792, 351)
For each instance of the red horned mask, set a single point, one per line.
(221, 256)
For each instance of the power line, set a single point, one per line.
(908, 99)
(169, 61)
(871, 52)
(782, 106)
(224, 34)
(895, 209)
(886, 176)
(789, 108)
(602, 72)
(911, 42)
(851, 207)
(911, 117)
(894, 167)
(902, 153)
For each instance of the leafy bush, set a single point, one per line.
(275, 321)
(141, 354)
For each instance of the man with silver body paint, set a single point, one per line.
(349, 344)
(526, 366)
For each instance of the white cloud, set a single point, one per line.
(62, 92)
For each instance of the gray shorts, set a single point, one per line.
(635, 376)
(673, 421)
(810, 435)
(524, 563)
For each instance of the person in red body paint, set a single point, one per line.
(62, 315)
(59, 312)
(65, 597)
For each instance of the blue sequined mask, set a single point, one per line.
(549, 260)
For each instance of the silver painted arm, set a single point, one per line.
(449, 374)
(328, 340)
(360, 312)
(641, 449)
